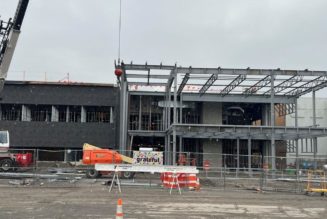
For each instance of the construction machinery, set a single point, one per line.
(11, 161)
(9, 33)
(94, 155)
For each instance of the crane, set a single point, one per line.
(9, 33)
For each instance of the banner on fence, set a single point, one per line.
(148, 157)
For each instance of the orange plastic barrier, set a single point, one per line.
(184, 180)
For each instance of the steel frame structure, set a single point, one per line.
(279, 88)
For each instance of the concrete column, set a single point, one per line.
(67, 114)
(54, 114)
(83, 114)
(111, 119)
(26, 113)
(212, 148)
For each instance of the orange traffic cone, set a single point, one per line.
(119, 212)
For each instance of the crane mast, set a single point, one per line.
(9, 33)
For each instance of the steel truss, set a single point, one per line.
(238, 80)
(257, 86)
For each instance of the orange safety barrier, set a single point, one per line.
(184, 180)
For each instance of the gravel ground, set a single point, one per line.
(90, 199)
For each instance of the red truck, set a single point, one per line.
(11, 161)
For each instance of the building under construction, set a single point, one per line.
(217, 111)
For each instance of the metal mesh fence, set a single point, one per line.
(64, 168)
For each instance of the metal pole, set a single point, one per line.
(169, 109)
(238, 155)
(249, 156)
(168, 151)
(150, 114)
(314, 117)
(296, 141)
(180, 121)
(174, 146)
(272, 123)
(140, 113)
(126, 118)
(175, 119)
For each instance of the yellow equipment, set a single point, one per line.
(317, 181)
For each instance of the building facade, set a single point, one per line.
(61, 116)
(306, 118)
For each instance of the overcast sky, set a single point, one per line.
(81, 36)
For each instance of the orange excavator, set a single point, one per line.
(93, 155)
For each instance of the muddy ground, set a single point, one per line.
(91, 199)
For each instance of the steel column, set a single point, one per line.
(249, 155)
(272, 122)
(314, 120)
(296, 141)
(140, 113)
(175, 119)
(238, 155)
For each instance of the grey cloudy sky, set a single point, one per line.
(81, 36)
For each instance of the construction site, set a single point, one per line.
(162, 141)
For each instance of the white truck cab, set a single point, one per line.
(4, 141)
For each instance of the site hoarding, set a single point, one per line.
(147, 157)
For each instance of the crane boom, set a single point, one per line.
(9, 33)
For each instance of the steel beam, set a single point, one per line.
(208, 84)
(227, 71)
(133, 83)
(257, 86)
(286, 84)
(184, 82)
(245, 132)
(145, 76)
(307, 87)
(238, 80)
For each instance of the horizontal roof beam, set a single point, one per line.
(237, 98)
(147, 76)
(227, 71)
(138, 83)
